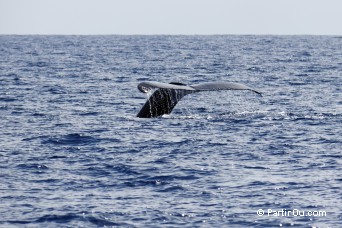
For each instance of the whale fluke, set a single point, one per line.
(167, 95)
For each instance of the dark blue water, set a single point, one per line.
(73, 154)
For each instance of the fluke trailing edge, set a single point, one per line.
(165, 98)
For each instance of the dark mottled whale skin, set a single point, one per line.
(165, 98)
(162, 101)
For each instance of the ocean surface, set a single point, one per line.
(74, 154)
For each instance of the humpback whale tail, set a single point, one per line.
(165, 98)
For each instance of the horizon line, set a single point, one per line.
(160, 34)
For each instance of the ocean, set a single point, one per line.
(74, 154)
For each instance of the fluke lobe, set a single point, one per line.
(167, 95)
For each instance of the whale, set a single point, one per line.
(167, 95)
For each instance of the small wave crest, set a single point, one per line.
(72, 139)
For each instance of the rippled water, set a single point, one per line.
(73, 154)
